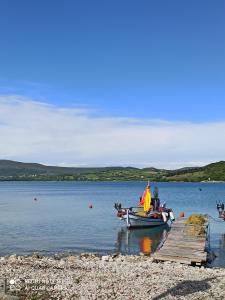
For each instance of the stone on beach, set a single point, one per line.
(88, 276)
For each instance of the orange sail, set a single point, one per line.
(146, 199)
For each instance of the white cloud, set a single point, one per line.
(38, 132)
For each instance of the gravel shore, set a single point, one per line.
(88, 276)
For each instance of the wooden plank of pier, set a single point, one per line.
(182, 247)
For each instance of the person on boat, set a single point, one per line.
(153, 203)
(150, 210)
(156, 200)
(157, 204)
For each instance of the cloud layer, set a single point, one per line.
(33, 131)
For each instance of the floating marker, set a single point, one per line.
(181, 214)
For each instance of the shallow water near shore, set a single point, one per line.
(60, 220)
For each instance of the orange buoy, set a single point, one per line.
(90, 206)
(181, 214)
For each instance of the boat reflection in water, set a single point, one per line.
(144, 240)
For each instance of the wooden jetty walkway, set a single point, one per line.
(183, 246)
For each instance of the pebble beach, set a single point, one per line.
(89, 276)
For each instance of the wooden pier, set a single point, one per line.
(181, 245)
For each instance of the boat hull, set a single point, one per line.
(135, 221)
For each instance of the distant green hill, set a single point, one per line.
(12, 170)
(211, 172)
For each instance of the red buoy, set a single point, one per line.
(181, 214)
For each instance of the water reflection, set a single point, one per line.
(218, 251)
(222, 241)
(146, 245)
(144, 240)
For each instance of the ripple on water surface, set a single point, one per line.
(60, 220)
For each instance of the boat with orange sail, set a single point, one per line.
(148, 213)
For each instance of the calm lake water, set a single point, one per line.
(61, 222)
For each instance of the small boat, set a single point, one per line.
(220, 208)
(148, 213)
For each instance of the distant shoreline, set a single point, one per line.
(114, 180)
(18, 171)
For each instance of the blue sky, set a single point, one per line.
(105, 83)
(143, 59)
